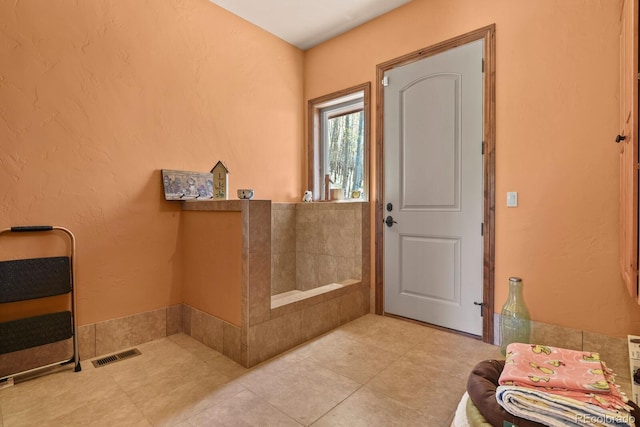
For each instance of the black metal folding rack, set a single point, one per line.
(34, 278)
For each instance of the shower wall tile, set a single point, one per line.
(259, 226)
(555, 336)
(312, 300)
(244, 287)
(117, 334)
(346, 268)
(283, 272)
(232, 342)
(186, 319)
(337, 293)
(367, 295)
(352, 306)
(273, 337)
(87, 341)
(207, 329)
(285, 309)
(174, 319)
(613, 351)
(259, 287)
(358, 212)
(337, 233)
(283, 230)
(320, 318)
(328, 227)
(328, 267)
(307, 234)
(306, 271)
(334, 232)
(356, 268)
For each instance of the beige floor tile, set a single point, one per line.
(184, 401)
(117, 411)
(352, 359)
(369, 408)
(393, 335)
(227, 367)
(164, 379)
(421, 387)
(305, 350)
(46, 398)
(194, 347)
(455, 354)
(414, 375)
(154, 355)
(243, 409)
(305, 391)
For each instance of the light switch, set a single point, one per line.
(512, 199)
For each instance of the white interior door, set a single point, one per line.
(433, 164)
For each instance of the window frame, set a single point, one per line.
(315, 153)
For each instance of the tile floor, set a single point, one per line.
(374, 371)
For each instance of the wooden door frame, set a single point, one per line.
(489, 124)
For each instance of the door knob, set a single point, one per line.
(389, 221)
(620, 138)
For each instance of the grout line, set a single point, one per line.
(337, 404)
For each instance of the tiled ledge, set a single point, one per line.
(293, 296)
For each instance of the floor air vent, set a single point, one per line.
(107, 360)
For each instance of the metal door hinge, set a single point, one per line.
(483, 65)
(385, 81)
(482, 147)
(482, 229)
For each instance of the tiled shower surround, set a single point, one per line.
(315, 244)
(263, 332)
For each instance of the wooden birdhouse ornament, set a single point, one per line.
(220, 181)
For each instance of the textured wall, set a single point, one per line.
(97, 96)
(211, 246)
(557, 114)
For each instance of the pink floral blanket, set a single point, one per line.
(575, 374)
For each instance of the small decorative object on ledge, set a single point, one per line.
(245, 193)
(185, 185)
(515, 323)
(307, 196)
(220, 181)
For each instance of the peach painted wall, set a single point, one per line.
(557, 106)
(97, 96)
(211, 246)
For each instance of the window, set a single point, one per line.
(338, 143)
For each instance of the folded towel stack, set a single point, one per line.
(561, 387)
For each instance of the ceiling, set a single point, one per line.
(306, 23)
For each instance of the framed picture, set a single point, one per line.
(185, 185)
